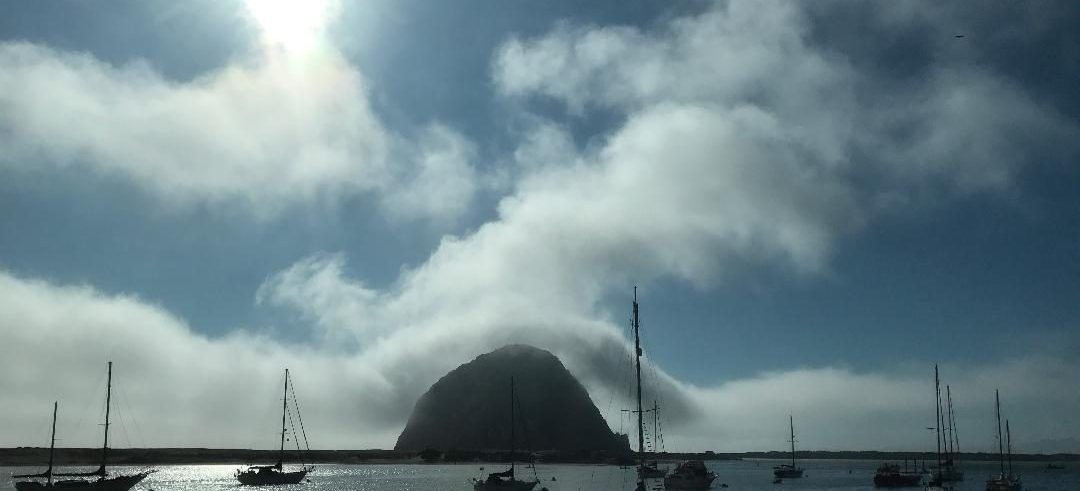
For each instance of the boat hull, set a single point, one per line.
(508, 485)
(114, 483)
(271, 478)
(1003, 484)
(788, 472)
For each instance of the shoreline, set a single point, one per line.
(33, 456)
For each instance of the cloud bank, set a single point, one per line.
(273, 130)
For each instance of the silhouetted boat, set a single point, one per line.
(506, 480)
(268, 475)
(949, 470)
(1054, 467)
(789, 470)
(86, 480)
(691, 474)
(1004, 481)
(944, 472)
(892, 476)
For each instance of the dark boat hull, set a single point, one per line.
(504, 485)
(114, 483)
(1003, 484)
(273, 478)
(787, 472)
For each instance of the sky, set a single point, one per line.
(816, 201)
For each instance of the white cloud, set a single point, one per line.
(278, 130)
(442, 183)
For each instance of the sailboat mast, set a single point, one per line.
(997, 410)
(1008, 445)
(637, 360)
(284, 408)
(108, 405)
(937, 414)
(655, 426)
(512, 449)
(52, 443)
(952, 423)
(791, 421)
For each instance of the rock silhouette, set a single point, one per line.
(469, 408)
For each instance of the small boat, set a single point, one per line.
(892, 476)
(651, 470)
(691, 474)
(104, 480)
(687, 475)
(946, 470)
(1004, 481)
(789, 470)
(1054, 467)
(506, 480)
(269, 475)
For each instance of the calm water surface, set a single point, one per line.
(821, 475)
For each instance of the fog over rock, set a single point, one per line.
(469, 408)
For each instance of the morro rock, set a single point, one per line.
(469, 408)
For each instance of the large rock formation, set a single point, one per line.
(469, 408)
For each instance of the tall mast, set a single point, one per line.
(637, 360)
(791, 420)
(655, 428)
(108, 405)
(52, 444)
(512, 449)
(937, 415)
(952, 423)
(1008, 445)
(997, 410)
(284, 408)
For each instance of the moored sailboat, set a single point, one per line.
(1003, 481)
(265, 475)
(691, 474)
(84, 480)
(789, 471)
(892, 476)
(506, 480)
(950, 471)
(937, 478)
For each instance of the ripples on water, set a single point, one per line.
(821, 475)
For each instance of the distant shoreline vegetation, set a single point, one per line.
(32, 456)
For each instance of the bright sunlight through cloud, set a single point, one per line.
(294, 26)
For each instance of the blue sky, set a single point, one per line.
(846, 192)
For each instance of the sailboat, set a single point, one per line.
(506, 480)
(937, 479)
(789, 470)
(104, 481)
(1004, 481)
(691, 474)
(48, 473)
(263, 475)
(948, 470)
(893, 476)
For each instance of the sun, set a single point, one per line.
(291, 25)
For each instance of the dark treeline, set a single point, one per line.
(875, 455)
(33, 456)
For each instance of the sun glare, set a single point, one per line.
(291, 25)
